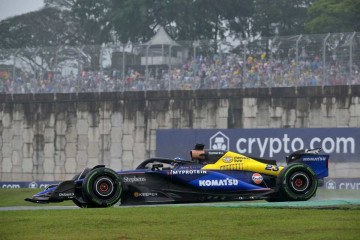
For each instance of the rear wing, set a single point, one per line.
(318, 163)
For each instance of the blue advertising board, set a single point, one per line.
(342, 183)
(341, 143)
(38, 184)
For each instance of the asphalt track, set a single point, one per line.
(319, 204)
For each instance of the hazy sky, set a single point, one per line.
(10, 8)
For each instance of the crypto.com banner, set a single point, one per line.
(341, 143)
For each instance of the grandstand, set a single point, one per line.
(288, 61)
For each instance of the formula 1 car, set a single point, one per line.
(210, 175)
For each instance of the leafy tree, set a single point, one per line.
(93, 19)
(91, 22)
(90, 17)
(238, 16)
(334, 16)
(45, 27)
(183, 19)
(60, 4)
(280, 17)
(133, 20)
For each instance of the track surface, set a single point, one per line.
(248, 204)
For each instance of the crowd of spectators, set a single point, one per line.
(202, 72)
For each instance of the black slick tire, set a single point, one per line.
(296, 182)
(101, 188)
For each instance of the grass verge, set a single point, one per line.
(183, 222)
(15, 197)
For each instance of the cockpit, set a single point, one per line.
(161, 164)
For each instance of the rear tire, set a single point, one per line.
(101, 188)
(296, 182)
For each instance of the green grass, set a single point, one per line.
(15, 197)
(180, 222)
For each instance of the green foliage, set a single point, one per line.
(334, 16)
(91, 22)
(183, 19)
(133, 20)
(45, 27)
(280, 17)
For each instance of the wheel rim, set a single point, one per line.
(299, 181)
(104, 187)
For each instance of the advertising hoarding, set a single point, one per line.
(341, 143)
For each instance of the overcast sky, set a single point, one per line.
(10, 8)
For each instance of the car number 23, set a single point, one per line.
(272, 168)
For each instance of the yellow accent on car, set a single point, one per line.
(236, 161)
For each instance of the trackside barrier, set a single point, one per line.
(342, 183)
(26, 184)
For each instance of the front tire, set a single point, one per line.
(102, 188)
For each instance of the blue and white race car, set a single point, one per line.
(209, 175)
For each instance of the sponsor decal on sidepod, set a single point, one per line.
(257, 178)
(218, 182)
(134, 179)
(141, 194)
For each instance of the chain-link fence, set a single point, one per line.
(303, 60)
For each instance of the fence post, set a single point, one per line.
(351, 58)
(101, 53)
(147, 67)
(36, 74)
(297, 57)
(324, 57)
(170, 78)
(271, 61)
(244, 65)
(196, 44)
(80, 69)
(123, 66)
(14, 65)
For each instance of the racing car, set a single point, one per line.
(208, 176)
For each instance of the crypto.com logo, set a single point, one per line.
(33, 185)
(331, 184)
(219, 141)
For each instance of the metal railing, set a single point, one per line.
(302, 60)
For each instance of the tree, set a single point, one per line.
(90, 17)
(184, 19)
(60, 4)
(280, 17)
(46, 27)
(334, 16)
(93, 20)
(133, 20)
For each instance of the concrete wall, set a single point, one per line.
(52, 136)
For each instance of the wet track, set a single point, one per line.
(315, 203)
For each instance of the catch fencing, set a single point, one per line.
(282, 61)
